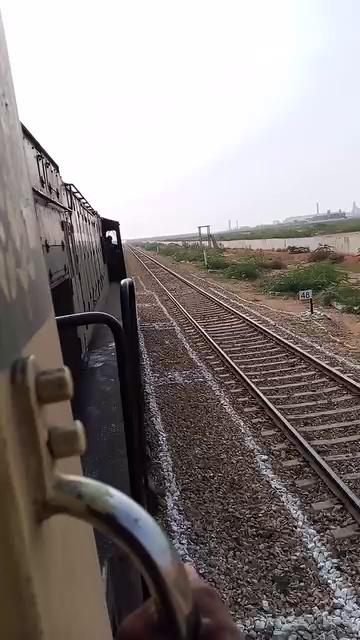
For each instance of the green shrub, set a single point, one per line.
(317, 277)
(183, 254)
(244, 270)
(215, 257)
(194, 254)
(169, 249)
(266, 263)
(179, 256)
(149, 246)
(345, 295)
(327, 296)
(319, 255)
(293, 248)
(217, 261)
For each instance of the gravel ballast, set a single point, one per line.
(223, 503)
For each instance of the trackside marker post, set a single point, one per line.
(307, 294)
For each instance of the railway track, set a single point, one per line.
(315, 405)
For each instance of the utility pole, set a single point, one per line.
(229, 225)
(317, 208)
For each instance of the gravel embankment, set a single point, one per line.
(227, 500)
(318, 333)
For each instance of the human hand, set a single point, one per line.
(216, 622)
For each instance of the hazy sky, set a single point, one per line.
(172, 113)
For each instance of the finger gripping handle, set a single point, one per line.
(135, 531)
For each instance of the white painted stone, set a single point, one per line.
(308, 618)
(259, 625)
(265, 605)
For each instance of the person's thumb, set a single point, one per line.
(142, 623)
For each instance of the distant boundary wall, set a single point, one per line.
(347, 243)
(341, 242)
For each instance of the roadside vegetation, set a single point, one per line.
(246, 268)
(242, 270)
(329, 284)
(316, 277)
(345, 297)
(325, 253)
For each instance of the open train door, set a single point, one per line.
(112, 249)
(50, 583)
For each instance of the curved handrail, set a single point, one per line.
(135, 531)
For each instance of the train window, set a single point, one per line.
(112, 235)
(46, 165)
(70, 245)
(41, 170)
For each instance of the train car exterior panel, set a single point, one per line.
(43, 171)
(71, 236)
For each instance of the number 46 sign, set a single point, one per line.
(307, 294)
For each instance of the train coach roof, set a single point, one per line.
(108, 224)
(37, 144)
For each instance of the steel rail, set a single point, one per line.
(342, 492)
(331, 371)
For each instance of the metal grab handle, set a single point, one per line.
(134, 530)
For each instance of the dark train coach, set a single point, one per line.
(84, 259)
(82, 250)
